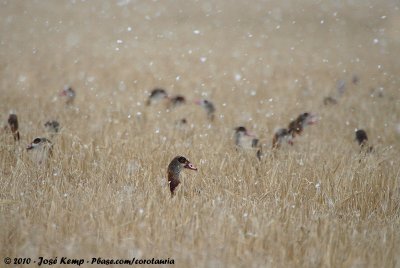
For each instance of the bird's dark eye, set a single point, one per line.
(36, 141)
(182, 160)
(305, 115)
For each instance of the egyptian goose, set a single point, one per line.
(355, 79)
(281, 136)
(52, 126)
(362, 139)
(174, 169)
(69, 93)
(13, 123)
(297, 126)
(181, 123)
(177, 101)
(208, 107)
(156, 95)
(330, 100)
(245, 139)
(340, 87)
(40, 149)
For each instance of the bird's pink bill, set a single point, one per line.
(250, 134)
(313, 119)
(190, 166)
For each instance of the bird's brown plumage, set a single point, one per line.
(13, 123)
(174, 169)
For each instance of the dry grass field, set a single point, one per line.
(319, 203)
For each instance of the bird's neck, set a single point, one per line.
(173, 173)
(173, 178)
(238, 138)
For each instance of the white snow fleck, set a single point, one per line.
(196, 32)
(238, 77)
(178, 78)
(376, 40)
(72, 39)
(119, 41)
(318, 186)
(122, 86)
(133, 167)
(21, 78)
(129, 29)
(123, 2)
(322, 21)
(203, 59)
(331, 204)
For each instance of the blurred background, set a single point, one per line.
(270, 54)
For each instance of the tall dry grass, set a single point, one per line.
(104, 193)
